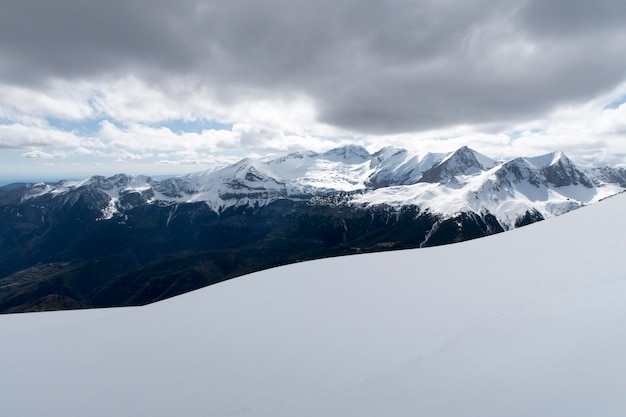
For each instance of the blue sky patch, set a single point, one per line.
(194, 126)
(83, 127)
(615, 104)
(516, 134)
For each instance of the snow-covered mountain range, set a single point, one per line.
(463, 181)
(133, 240)
(523, 323)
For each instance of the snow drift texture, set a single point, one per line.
(524, 323)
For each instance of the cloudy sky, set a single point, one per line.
(166, 87)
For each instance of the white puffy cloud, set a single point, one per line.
(19, 136)
(58, 99)
(38, 154)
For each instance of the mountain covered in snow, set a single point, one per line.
(523, 323)
(132, 239)
(447, 184)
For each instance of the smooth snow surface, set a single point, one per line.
(524, 323)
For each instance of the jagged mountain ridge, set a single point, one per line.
(539, 187)
(463, 181)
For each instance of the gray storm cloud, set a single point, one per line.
(369, 66)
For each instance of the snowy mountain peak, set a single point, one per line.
(119, 181)
(389, 151)
(400, 167)
(113, 186)
(463, 161)
(604, 176)
(484, 161)
(252, 170)
(293, 156)
(518, 170)
(349, 152)
(559, 156)
(559, 170)
(466, 156)
(549, 159)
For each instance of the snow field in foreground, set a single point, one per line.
(527, 322)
